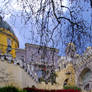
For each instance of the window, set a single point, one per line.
(39, 50)
(15, 45)
(39, 73)
(22, 58)
(9, 42)
(32, 57)
(8, 45)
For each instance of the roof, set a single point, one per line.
(4, 24)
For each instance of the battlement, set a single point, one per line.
(39, 46)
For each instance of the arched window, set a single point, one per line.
(8, 41)
(8, 45)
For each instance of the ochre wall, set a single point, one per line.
(4, 34)
(11, 74)
(64, 74)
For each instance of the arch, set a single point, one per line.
(84, 73)
(65, 82)
(85, 77)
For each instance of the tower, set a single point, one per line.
(70, 50)
(8, 40)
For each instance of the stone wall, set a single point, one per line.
(20, 54)
(36, 53)
(83, 69)
(11, 74)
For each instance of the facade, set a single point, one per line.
(71, 70)
(37, 53)
(8, 40)
(39, 60)
(82, 65)
(83, 68)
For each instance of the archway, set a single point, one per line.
(85, 78)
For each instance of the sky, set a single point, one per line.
(22, 31)
(18, 27)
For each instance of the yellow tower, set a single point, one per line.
(8, 40)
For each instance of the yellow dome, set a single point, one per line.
(8, 40)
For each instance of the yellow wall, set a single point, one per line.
(62, 76)
(4, 34)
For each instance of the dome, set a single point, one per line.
(4, 24)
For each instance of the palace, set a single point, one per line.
(41, 66)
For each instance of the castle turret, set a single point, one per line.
(70, 50)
